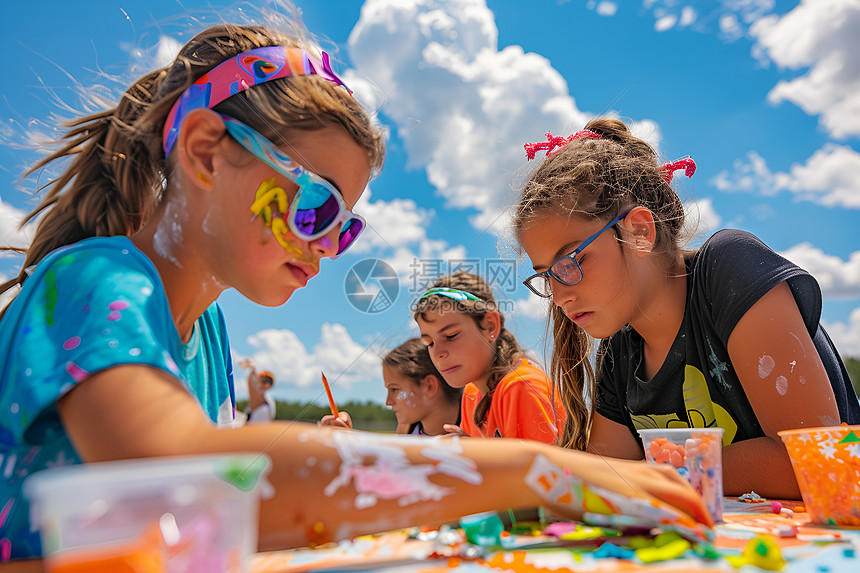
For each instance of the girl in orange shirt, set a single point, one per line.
(505, 395)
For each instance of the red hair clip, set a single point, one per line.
(556, 142)
(687, 164)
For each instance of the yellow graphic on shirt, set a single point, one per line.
(701, 410)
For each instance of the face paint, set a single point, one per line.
(269, 195)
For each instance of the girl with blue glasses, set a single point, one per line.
(236, 166)
(727, 335)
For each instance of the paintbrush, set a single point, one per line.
(331, 403)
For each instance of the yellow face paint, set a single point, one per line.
(267, 194)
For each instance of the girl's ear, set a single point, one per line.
(640, 224)
(492, 324)
(430, 385)
(202, 131)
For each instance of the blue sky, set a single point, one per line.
(763, 94)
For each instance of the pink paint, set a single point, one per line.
(114, 316)
(76, 372)
(325, 242)
(71, 343)
(6, 509)
(382, 482)
(5, 550)
(118, 305)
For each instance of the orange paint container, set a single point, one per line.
(826, 462)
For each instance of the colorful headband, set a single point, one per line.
(453, 293)
(239, 73)
(687, 164)
(554, 141)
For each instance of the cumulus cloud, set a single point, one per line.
(344, 360)
(820, 37)
(828, 177)
(457, 100)
(838, 279)
(391, 224)
(700, 220)
(846, 335)
(10, 220)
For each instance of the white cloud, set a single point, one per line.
(688, 16)
(344, 360)
(391, 224)
(666, 22)
(820, 37)
(846, 335)
(432, 259)
(838, 279)
(701, 220)
(462, 106)
(829, 177)
(532, 306)
(606, 9)
(10, 234)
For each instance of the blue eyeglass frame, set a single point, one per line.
(547, 274)
(267, 152)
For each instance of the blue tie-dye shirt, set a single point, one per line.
(86, 307)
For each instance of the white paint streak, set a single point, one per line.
(793, 363)
(377, 468)
(167, 239)
(781, 385)
(766, 365)
(799, 343)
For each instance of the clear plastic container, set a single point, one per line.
(826, 463)
(176, 515)
(697, 454)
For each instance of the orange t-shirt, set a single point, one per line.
(521, 407)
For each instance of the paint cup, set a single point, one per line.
(826, 463)
(157, 515)
(483, 529)
(697, 455)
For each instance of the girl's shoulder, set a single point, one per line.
(526, 373)
(118, 252)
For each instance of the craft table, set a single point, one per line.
(805, 547)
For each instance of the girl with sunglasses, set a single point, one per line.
(727, 335)
(235, 166)
(505, 395)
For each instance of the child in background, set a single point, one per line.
(421, 399)
(727, 335)
(505, 395)
(142, 231)
(261, 406)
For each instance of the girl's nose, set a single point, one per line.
(562, 294)
(327, 245)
